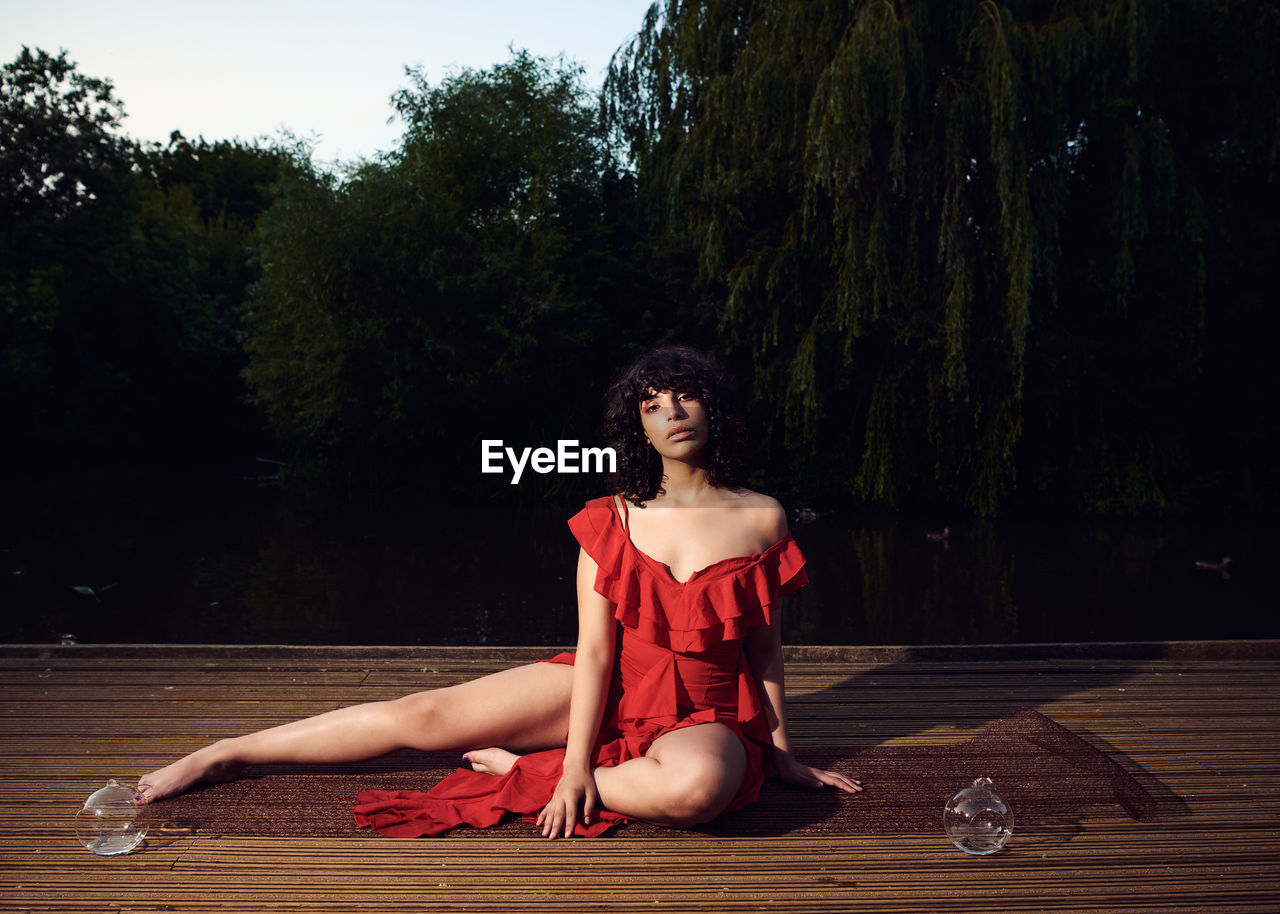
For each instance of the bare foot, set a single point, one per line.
(201, 765)
(491, 761)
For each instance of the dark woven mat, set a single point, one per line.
(1046, 773)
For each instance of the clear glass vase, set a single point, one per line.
(113, 820)
(977, 820)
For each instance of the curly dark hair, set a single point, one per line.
(679, 368)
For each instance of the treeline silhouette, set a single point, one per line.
(972, 255)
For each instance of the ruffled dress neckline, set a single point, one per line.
(664, 570)
(714, 605)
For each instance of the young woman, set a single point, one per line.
(671, 710)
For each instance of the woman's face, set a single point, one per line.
(675, 422)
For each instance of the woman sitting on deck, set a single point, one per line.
(675, 722)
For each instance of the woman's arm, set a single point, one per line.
(764, 656)
(576, 794)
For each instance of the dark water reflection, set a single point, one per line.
(1029, 580)
(227, 562)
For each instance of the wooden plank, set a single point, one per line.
(1205, 727)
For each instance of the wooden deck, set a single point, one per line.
(1199, 722)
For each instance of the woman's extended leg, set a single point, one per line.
(525, 708)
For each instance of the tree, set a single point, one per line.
(951, 238)
(57, 145)
(122, 272)
(217, 191)
(454, 275)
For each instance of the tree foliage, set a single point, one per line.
(460, 272)
(955, 238)
(972, 254)
(122, 272)
(57, 145)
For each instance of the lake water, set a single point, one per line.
(212, 559)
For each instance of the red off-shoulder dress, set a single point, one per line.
(680, 662)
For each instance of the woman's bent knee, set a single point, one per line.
(702, 768)
(701, 791)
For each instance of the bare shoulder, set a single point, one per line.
(764, 514)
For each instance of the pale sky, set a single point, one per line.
(230, 69)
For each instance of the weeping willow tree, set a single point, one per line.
(953, 239)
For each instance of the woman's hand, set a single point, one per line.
(793, 772)
(575, 795)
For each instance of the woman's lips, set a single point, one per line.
(680, 434)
